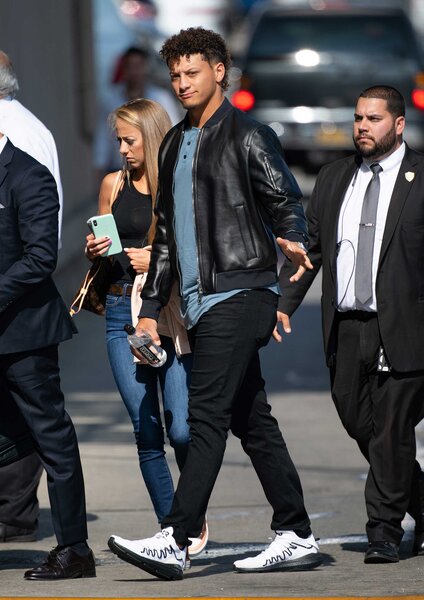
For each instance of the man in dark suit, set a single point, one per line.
(366, 225)
(19, 506)
(33, 320)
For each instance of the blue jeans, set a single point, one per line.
(138, 386)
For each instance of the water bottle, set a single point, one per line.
(154, 354)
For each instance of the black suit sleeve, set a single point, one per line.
(293, 293)
(36, 206)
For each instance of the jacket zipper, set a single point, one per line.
(193, 192)
(271, 176)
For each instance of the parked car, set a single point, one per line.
(306, 62)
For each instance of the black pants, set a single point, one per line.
(227, 392)
(32, 379)
(380, 411)
(18, 480)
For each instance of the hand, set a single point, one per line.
(95, 247)
(285, 322)
(139, 258)
(151, 327)
(297, 256)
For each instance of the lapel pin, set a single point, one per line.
(409, 176)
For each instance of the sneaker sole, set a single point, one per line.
(167, 572)
(307, 562)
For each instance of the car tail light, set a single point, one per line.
(418, 98)
(418, 92)
(243, 99)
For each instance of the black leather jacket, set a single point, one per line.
(243, 195)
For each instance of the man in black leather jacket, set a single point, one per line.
(225, 198)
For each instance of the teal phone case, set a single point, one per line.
(104, 225)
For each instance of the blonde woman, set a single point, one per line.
(140, 126)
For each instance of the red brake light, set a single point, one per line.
(243, 99)
(418, 98)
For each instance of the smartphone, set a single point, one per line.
(104, 225)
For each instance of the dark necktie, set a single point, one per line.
(363, 271)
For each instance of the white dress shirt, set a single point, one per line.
(28, 133)
(3, 142)
(348, 228)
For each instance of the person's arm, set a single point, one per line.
(96, 247)
(139, 258)
(160, 278)
(157, 289)
(293, 291)
(37, 206)
(275, 187)
(280, 197)
(159, 272)
(53, 167)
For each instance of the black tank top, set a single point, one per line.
(133, 215)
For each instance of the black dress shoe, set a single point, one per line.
(418, 547)
(9, 533)
(381, 552)
(64, 563)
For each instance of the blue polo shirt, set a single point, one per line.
(193, 304)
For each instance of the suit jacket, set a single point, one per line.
(400, 275)
(32, 313)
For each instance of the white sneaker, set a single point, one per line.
(288, 552)
(198, 544)
(158, 555)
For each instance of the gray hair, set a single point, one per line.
(8, 80)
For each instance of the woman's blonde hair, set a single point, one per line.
(153, 122)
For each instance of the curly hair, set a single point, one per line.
(196, 40)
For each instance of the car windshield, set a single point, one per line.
(387, 37)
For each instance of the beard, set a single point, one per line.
(380, 147)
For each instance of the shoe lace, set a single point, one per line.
(52, 560)
(164, 548)
(281, 548)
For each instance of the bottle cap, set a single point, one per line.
(129, 328)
